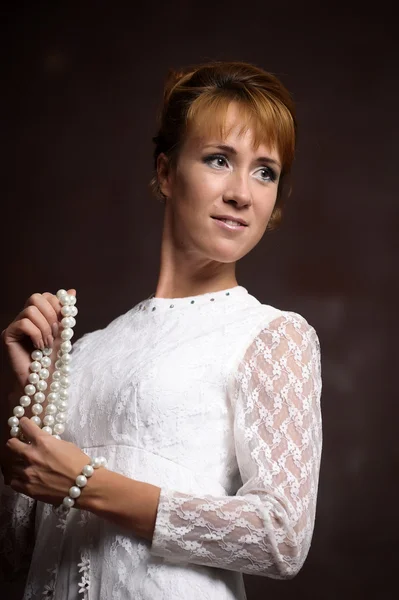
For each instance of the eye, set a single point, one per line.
(267, 174)
(217, 161)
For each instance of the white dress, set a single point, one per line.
(216, 400)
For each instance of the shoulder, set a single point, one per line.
(282, 350)
(276, 333)
(269, 320)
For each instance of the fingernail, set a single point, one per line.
(50, 341)
(54, 329)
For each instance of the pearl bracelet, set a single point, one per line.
(81, 480)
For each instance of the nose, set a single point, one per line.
(237, 190)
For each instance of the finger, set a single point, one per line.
(18, 471)
(33, 314)
(50, 311)
(16, 450)
(30, 431)
(25, 327)
(55, 303)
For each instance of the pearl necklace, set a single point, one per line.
(55, 411)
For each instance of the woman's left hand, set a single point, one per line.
(44, 468)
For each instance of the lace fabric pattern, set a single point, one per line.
(266, 528)
(216, 400)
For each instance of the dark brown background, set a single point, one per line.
(82, 87)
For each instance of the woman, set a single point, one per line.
(205, 402)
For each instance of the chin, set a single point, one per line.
(227, 255)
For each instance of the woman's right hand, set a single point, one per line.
(35, 326)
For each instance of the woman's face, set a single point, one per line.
(216, 178)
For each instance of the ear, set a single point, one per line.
(164, 175)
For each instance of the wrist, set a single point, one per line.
(81, 482)
(94, 495)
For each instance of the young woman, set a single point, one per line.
(204, 401)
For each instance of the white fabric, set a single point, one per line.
(216, 400)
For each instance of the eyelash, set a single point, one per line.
(271, 174)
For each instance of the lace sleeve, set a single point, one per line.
(266, 529)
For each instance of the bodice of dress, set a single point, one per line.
(216, 400)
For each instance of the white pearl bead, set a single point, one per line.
(66, 311)
(103, 461)
(53, 397)
(64, 394)
(42, 385)
(66, 321)
(81, 481)
(35, 366)
(62, 405)
(61, 293)
(59, 428)
(47, 351)
(33, 378)
(59, 354)
(57, 437)
(74, 491)
(49, 420)
(96, 463)
(66, 346)
(67, 334)
(88, 470)
(37, 409)
(65, 369)
(64, 300)
(39, 397)
(55, 386)
(14, 431)
(68, 502)
(51, 409)
(19, 411)
(25, 401)
(64, 381)
(58, 364)
(61, 417)
(66, 359)
(46, 362)
(36, 420)
(47, 429)
(13, 422)
(44, 373)
(72, 299)
(56, 375)
(36, 355)
(74, 311)
(29, 389)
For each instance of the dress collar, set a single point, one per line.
(152, 304)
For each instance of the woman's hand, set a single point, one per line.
(34, 327)
(44, 468)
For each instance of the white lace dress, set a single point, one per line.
(216, 400)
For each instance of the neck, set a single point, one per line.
(185, 273)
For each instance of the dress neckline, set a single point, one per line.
(153, 304)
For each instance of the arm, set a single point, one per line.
(266, 529)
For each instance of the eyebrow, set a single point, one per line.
(260, 159)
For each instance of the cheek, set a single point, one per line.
(197, 188)
(265, 204)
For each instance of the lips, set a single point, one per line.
(233, 219)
